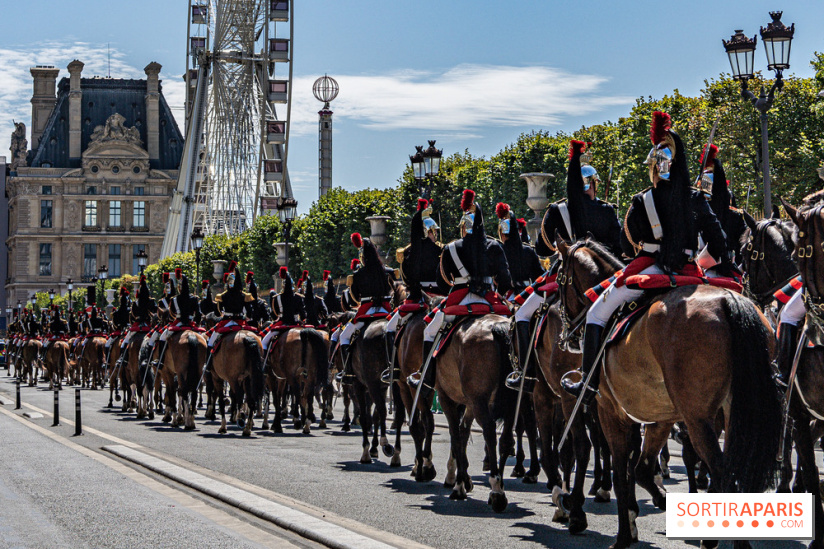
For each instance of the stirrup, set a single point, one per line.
(387, 376)
(513, 381)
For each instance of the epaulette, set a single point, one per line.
(400, 254)
(247, 297)
(349, 280)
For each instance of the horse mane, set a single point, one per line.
(602, 252)
(812, 200)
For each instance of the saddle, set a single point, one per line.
(447, 337)
(494, 305)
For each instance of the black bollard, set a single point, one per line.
(78, 427)
(56, 421)
(17, 395)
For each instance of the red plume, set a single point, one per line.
(249, 276)
(304, 275)
(142, 278)
(165, 278)
(178, 273)
(357, 240)
(467, 199)
(728, 182)
(355, 263)
(576, 146)
(710, 157)
(204, 284)
(661, 122)
(522, 222)
(422, 204)
(225, 277)
(326, 275)
(232, 266)
(284, 272)
(502, 210)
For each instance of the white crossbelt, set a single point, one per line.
(564, 209)
(465, 279)
(652, 215)
(453, 251)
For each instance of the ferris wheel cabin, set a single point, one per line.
(278, 10)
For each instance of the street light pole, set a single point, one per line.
(142, 259)
(70, 286)
(197, 244)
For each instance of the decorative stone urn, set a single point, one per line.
(536, 200)
(377, 228)
(281, 248)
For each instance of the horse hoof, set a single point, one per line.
(560, 516)
(602, 496)
(373, 452)
(322, 424)
(458, 493)
(167, 418)
(296, 424)
(517, 472)
(117, 398)
(345, 428)
(366, 458)
(712, 544)
(468, 485)
(702, 483)
(577, 524)
(530, 479)
(396, 460)
(306, 429)
(498, 502)
(388, 450)
(151, 414)
(428, 475)
(189, 428)
(247, 432)
(277, 428)
(330, 416)
(665, 472)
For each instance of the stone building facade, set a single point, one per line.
(96, 185)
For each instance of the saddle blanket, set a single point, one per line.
(362, 313)
(494, 305)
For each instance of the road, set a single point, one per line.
(90, 503)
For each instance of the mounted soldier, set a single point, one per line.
(288, 308)
(231, 307)
(371, 287)
(471, 264)
(346, 303)
(316, 312)
(183, 312)
(330, 298)
(524, 264)
(581, 213)
(207, 304)
(257, 312)
(142, 310)
(661, 229)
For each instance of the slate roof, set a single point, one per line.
(102, 97)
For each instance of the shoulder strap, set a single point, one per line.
(457, 260)
(652, 215)
(564, 209)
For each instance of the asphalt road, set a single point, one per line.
(321, 469)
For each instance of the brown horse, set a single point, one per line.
(720, 361)
(28, 363)
(422, 423)
(116, 375)
(471, 371)
(91, 362)
(183, 363)
(137, 379)
(56, 363)
(807, 398)
(238, 362)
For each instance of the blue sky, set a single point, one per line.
(471, 74)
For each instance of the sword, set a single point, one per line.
(423, 373)
(523, 371)
(580, 398)
(788, 394)
(707, 149)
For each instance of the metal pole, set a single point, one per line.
(765, 162)
(56, 421)
(17, 405)
(197, 266)
(78, 427)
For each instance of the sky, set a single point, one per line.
(472, 74)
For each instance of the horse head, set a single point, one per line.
(585, 264)
(766, 251)
(809, 252)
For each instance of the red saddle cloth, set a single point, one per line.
(494, 305)
(361, 314)
(409, 307)
(240, 324)
(183, 326)
(140, 328)
(690, 275)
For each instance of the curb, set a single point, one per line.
(301, 523)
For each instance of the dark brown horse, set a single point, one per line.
(238, 362)
(91, 362)
(56, 363)
(185, 356)
(807, 398)
(115, 375)
(657, 379)
(28, 364)
(766, 251)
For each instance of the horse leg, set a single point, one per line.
(531, 430)
(545, 417)
(266, 401)
(655, 438)
(428, 422)
(454, 480)
(497, 496)
(518, 471)
(574, 502)
(805, 448)
(294, 388)
(690, 459)
(306, 408)
(618, 437)
(664, 462)
(360, 395)
(347, 400)
(397, 424)
(221, 402)
(380, 407)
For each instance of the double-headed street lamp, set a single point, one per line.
(777, 39)
(70, 287)
(102, 275)
(197, 244)
(425, 166)
(287, 211)
(142, 260)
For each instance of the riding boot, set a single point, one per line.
(787, 344)
(345, 376)
(513, 380)
(592, 344)
(393, 372)
(158, 364)
(428, 382)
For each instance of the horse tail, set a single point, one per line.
(755, 412)
(192, 374)
(309, 336)
(254, 386)
(505, 399)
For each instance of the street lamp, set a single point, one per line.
(197, 244)
(287, 211)
(33, 301)
(142, 259)
(51, 296)
(426, 164)
(102, 275)
(777, 39)
(70, 287)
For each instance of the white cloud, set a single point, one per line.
(465, 99)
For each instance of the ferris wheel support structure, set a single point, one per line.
(234, 160)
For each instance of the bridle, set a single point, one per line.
(571, 328)
(813, 299)
(753, 256)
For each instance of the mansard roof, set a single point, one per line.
(102, 97)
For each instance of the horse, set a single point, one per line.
(28, 361)
(116, 375)
(766, 251)
(807, 396)
(369, 360)
(238, 362)
(56, 363)
(92, 360)
(651, 377)
(186, 353)
(470, 376)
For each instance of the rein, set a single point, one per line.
(570, 328)
(753, 256)
(813, 303)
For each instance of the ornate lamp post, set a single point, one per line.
(70, 287)
(777, 40)
(197, 244)
(287, 211)
(536, 200)
(51, 298)
(142, 260)
(33, 301)
(426, 164)
(102, 276)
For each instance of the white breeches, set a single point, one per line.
(126, 340)
(109, 342)
(431, 330)
(613, 297)
(526, 311)
(166, 335)
(794, 311)
(268, 339)
(394, 321)
(213, 339)
(336, 334)
(153, 338)
(349, 331)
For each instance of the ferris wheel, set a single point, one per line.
(239, 91)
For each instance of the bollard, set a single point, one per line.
(56, 421)
(78, 428)
(17, 395)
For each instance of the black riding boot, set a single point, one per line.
(393, 372)
(158, 364)
(592, 344)
(513, 380)
(428, 382)
(346, 376)
(787, 344)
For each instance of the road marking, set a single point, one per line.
(213, 514)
